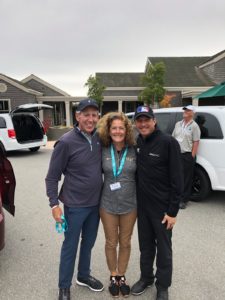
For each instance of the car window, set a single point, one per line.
(2, 122)
(130, 117)
(179, 116)
(164, 121)
(209, 126)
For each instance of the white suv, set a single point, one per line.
(210, 161)
(22, 129)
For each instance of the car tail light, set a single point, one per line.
(11, 133)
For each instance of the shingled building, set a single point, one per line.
(185, 77)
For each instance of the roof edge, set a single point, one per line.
(34, 77)
(213, 59)
(19, 86)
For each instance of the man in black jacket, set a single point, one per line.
(159, 189)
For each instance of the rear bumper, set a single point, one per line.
(14, 145)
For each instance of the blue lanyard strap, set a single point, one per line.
(61, 227)
(119, 171)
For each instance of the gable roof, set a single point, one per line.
(120, 79)
(19, 85)
(183, 71)
(45, 83)
(213, 59)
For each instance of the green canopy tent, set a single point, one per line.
(216, 91)
(213, 96)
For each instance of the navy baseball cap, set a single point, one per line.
(87, 103)
(144, 111)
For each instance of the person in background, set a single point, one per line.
(159, 190)
(187, 133)
(77, 156)
(118, 202)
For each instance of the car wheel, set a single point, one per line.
(201, 185)
(35, 149)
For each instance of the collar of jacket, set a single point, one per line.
(150, 136)
(77, 129)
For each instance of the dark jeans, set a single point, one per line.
(188, 164)
(155, 241)
(82, 222)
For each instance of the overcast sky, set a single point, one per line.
(65, 41)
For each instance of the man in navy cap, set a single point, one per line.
(77, 156)
(159, 188)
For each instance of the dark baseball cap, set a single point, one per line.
(144, 111)
(87, 103)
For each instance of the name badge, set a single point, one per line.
(115, 186)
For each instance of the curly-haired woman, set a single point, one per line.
(118, 202)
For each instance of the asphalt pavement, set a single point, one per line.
(29, 261)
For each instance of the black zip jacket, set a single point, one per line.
(159, 174)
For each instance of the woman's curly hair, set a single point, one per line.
(104, 124)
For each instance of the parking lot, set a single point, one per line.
(29, 261)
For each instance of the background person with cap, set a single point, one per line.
(77, 156)
(159, 190)
(187, 133)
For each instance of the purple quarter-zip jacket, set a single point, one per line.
(79, 160)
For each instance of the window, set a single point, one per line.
(209, 126)
(163, 121)
(2, 123)
(179, 116)
(4, 106)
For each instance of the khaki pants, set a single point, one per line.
(118, 230)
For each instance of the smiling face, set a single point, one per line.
(117, 132)
(87, 119)
(145, 125)
(188, 114)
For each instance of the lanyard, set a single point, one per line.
(119, 171)
(61, 227)
(185, 126)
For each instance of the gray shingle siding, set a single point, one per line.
(16, 96)
(216, 71)
(45, 90)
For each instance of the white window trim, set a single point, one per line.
(9, 102)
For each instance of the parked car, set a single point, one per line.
(7, 189)
(22, 129)
(210, 162)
